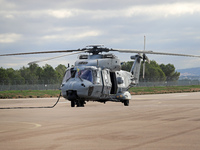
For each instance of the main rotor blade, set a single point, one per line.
(34, 62)
(151, 52)
(42, 52)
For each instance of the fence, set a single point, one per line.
(49, 86)
(169, 83)
(29, 85)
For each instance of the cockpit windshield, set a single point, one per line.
(85, 74)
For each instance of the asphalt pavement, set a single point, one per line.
(151, 122)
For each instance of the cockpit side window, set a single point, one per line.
(67, 76)
(73, 73)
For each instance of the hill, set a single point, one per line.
(190, 71)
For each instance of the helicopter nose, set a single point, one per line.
(83, 89)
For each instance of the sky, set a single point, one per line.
(169, 26)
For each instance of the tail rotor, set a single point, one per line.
(144, 57)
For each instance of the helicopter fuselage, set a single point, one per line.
(97, 78)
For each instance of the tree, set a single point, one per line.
(29, 75)
(14, 76)
(153, 72)
(169, 70)
(49, 74)
(34, 74)
(127, 65)
(39, 73)
(3, 76)
(60, 69)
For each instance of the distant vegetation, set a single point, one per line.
(155, 72)
(34, 74)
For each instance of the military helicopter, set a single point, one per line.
(97, 76)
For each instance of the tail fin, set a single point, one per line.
(135, 70)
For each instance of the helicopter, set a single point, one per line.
(97, 76)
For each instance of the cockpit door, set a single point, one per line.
(106, 81)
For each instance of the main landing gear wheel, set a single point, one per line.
(126, 103)
(78, 103)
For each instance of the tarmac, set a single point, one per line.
(151, 122)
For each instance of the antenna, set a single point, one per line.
(144, 57)
(144, 42)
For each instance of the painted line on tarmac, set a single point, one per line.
(36, 125)
(33, 125)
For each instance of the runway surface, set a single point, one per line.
(151, 122)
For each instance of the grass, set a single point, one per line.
(29, 93)
(164, 89)
(133, 90)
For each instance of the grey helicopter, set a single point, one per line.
(97, 76)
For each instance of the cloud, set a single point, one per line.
(9, 37)
(62, 13)
(170, 26)
(164, 10)
(72, 36)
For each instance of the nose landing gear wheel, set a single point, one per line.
(78, 103)
(72, 103)
(126, 103)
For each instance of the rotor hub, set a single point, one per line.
(96, 49)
